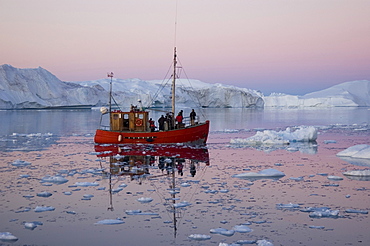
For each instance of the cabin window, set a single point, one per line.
(141, 116)
(115, 116)
(125, 116)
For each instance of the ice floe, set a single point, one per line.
(54, 179)
(44, 194)
(222, 231)
(110, 222)
(266, 173)
(86, 184)
(242, 229)
(287, 206)
(356, 211)
(145, 199)
(199, 237)
(181, 204)
(39, 209)
(7, 236)
(20, 163)
(264, 243)
(360, 173)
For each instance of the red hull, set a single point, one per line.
(197, 134)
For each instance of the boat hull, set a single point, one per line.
(196, 134)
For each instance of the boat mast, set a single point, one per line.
(110, 75)
(173, 83)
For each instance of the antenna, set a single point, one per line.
(175, 25)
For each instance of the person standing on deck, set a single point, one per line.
(161, 123)
(192, 117)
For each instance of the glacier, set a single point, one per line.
(37, 88)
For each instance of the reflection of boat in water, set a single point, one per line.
(135, 126)
(152, 162)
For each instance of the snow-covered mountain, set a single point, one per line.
(348, 94)
(38, 88)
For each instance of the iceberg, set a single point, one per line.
(20, 163)
(242, 229)
(34, 88)
(290, 135)
(264, 243)
(356, 151)
(86, 184)
(359, 173)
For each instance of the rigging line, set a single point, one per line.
(161, 87)
(199, 104)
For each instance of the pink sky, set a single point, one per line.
(291, 46)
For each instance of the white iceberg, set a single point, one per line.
(44, 194)
(270, 137)
(359, 173)
(356, 151)
(266, 173)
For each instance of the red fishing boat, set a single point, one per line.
(134, 127)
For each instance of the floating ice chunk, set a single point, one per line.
(145, 199)
(185, 184)
(296, 178)
(28, 196)
(314, 209)
(139, 212)
(332, 177)
(181, 204)
(329, 141)
(24, 176)
(360, 173)
(7, 236)
(71, 212)
(30, 225)
(20, 163)
(224, 191)
(199, 237)
(287, 206)
(68, 193)
(44, 194)
(326, 213)
(246, 241)
(123, 185)
(54, 179)
(110, 222)
(267, 173)
(222, 231)
(264, 243)
(86, 184)
(269, 137)
(316, 227)
(44, 209)
(356, 151)
(117, 190)
(242, 229)
(356, 211)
